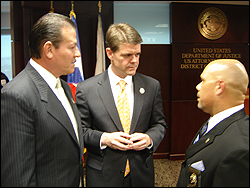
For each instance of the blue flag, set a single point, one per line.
(77, 75)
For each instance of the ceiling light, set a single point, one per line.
(162, 25)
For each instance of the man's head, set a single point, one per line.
(52, 44)
(223, 85)
(47, 28)
(121, 33)
(123, 47)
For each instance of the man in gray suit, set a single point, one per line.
(220, 158)
(41, 138)
(110, 148)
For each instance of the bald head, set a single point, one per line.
(224, 85)
(232, 72)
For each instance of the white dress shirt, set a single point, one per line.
(217, 118)
(115, 87)
(51, 80)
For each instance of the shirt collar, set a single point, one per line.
(114, 79)
(47, 76)
(213, 121)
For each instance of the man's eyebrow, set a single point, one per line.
(130, 53)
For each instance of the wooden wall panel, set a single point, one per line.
(163, 150)
(155, 61)
(186, 119)
(16, 37)
(184, 80)
(184, 19)
(186, 39)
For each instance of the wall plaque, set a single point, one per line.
(212, 23)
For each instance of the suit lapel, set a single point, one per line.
(107, 98)
(55, 108)
(138, 101)
(197, 134)
(68, 93)
(208, 138)
(53, 105)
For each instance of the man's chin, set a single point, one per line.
(199, 106)
(71, 71)
(131, 73)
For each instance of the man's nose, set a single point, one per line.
(77, 53)
(198, 87)
(135, 58)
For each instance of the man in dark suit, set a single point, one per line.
(220, 158)
(41, 135)
(110, 147)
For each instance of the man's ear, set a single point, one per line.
(48, 49)
(109, 53)
(220, 87)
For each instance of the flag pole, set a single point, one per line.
(100, 6)
(51, 7)
(72, 13)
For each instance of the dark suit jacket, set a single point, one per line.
(224, 151)
(38, 143)
(99, 114)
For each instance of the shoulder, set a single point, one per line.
(146, 81)
(19, 83)
(239, 123)
(145, 78)
(235, 133)
(20, 90)
(92, 81)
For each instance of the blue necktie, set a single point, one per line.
(201, 133)
(203, 130)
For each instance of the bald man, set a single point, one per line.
(220, 157)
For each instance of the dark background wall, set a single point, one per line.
(186, 40)
(163, 61)
(25, 13)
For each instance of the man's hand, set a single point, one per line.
(117, 140)
(140, 141)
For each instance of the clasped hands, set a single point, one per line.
(123, 141)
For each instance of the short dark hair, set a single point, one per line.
(121, 33)
(47, 28)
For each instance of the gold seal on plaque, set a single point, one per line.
(212, 23)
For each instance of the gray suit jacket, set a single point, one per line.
(99, 114)
(224, 151)
(38, 144)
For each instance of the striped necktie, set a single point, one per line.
(201, 133)
(203, 130)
